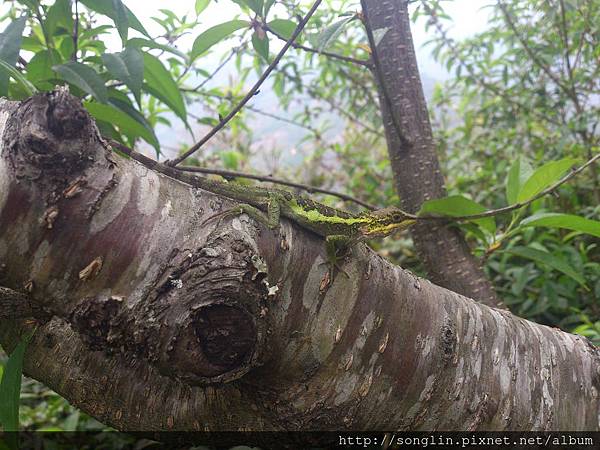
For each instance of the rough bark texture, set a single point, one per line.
(442, 249)
(162, 323)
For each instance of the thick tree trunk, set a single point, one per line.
(443, 249)
(159, 322)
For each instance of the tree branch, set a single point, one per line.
(220, 66)
(253, 91)
(16, 305)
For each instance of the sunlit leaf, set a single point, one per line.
(146, 43)
(457, 205)
(84, 77)
(215, 35)
(59, 16)
(201, 5)
(543, 177)
(254, 5)
(260, 42)
(10, 387)
(284, 28)
(10, 43)
(162, 86)
(128, 67)
(332, 32)
(267, 7)
(120, 18)
(39, 68)
(24, 83)
(106, 7)
(566, 221)
(542, 257)
(519, 172)
(126, 124)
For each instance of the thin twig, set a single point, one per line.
(563, 30)
(234, 51)
(269, 179)
(256, 110)
(348, 59)
(75, 33)
(252, 91)
(335, 107)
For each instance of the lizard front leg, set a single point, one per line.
(336, 248)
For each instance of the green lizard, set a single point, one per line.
(339, 228)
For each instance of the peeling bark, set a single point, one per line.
(413, 156)
(159, 322)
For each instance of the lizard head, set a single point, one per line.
(386, 221)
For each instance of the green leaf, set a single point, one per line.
(519, 172)
(105, 7)
(231, 159)
(10, 43)
(457, 205)
(10, 387)
(214, 35)
(39, 68)
(8, 70)
(59, 15)
(543, 177)
(120, 100)
(255, 5)
(567, 221)
(549, 259)
(120, 19)
(84, 77)
(261, 44)
(201, 6)
(332, 32)
(267, 7)
(284, 28)
(128, 67)
(162, 86)
(126, 124)
(146, 43)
